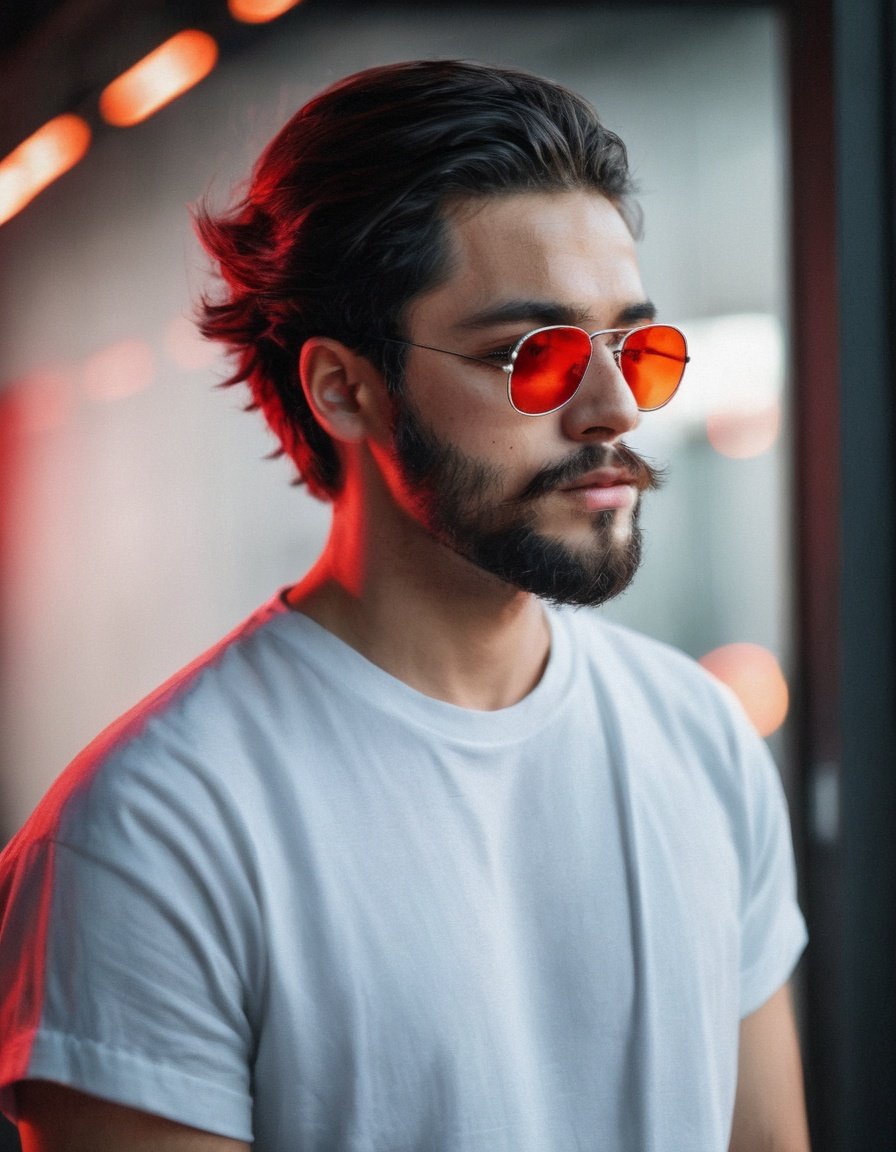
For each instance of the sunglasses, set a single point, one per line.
(546, 367)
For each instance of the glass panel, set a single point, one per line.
(144, 524)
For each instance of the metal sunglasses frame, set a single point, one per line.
(514, 353)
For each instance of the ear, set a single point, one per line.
(341, 387)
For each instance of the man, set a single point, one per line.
(411, 861)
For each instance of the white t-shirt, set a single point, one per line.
(289, 899)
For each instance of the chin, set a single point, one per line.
(555, 570)
(622, 528)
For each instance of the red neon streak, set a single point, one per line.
(21, 1002)
(47, 399)
(23, 997)
(13, 416)
(166, 73)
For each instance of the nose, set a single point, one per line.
(603, 408)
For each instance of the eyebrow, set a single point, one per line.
(548, 312)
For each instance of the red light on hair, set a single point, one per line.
(259, 11)
(166, 73)
(40, 160)
(755, 677)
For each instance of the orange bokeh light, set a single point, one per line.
(259, 11)
(755, 677)
(166, 73)
(745, 434)
(118, 370)
(48, 397)
(40, 160)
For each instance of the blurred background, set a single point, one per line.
(139, 520)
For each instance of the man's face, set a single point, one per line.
(548, 503)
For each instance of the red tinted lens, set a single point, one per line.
(548, 368)
(652, 361)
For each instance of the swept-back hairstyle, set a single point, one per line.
(344, 221)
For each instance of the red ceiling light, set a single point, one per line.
(166, 73)
(259, 11)
(40, 160)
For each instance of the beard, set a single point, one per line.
(458, 498)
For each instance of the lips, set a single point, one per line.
(603, 490)
(603, 478)
(593, 468)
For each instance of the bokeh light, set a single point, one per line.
(259, 11)
(47, 399)
(166, 73)
(119, 370)
(742, 434)
(51, 151)
(754, 675)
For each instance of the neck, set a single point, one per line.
(420, 611)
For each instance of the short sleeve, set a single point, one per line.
(124, 964)
(773, 931)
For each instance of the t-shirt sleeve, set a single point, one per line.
(773, 931)
(125, 966)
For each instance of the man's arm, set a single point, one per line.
(770, 1107)
(57, 1119)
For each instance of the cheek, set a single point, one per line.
(454, 399)
(478, 420)
(510, 441)
(500, 445)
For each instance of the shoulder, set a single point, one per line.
(648, 670)
(174, 751)
(136, 882)
(661, 708)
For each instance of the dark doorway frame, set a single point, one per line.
(842, 109)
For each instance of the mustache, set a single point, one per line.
(645, 476)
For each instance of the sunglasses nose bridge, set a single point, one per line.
(603, 400)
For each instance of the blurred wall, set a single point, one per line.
(140, 521)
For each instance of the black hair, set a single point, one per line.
(344, 222)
